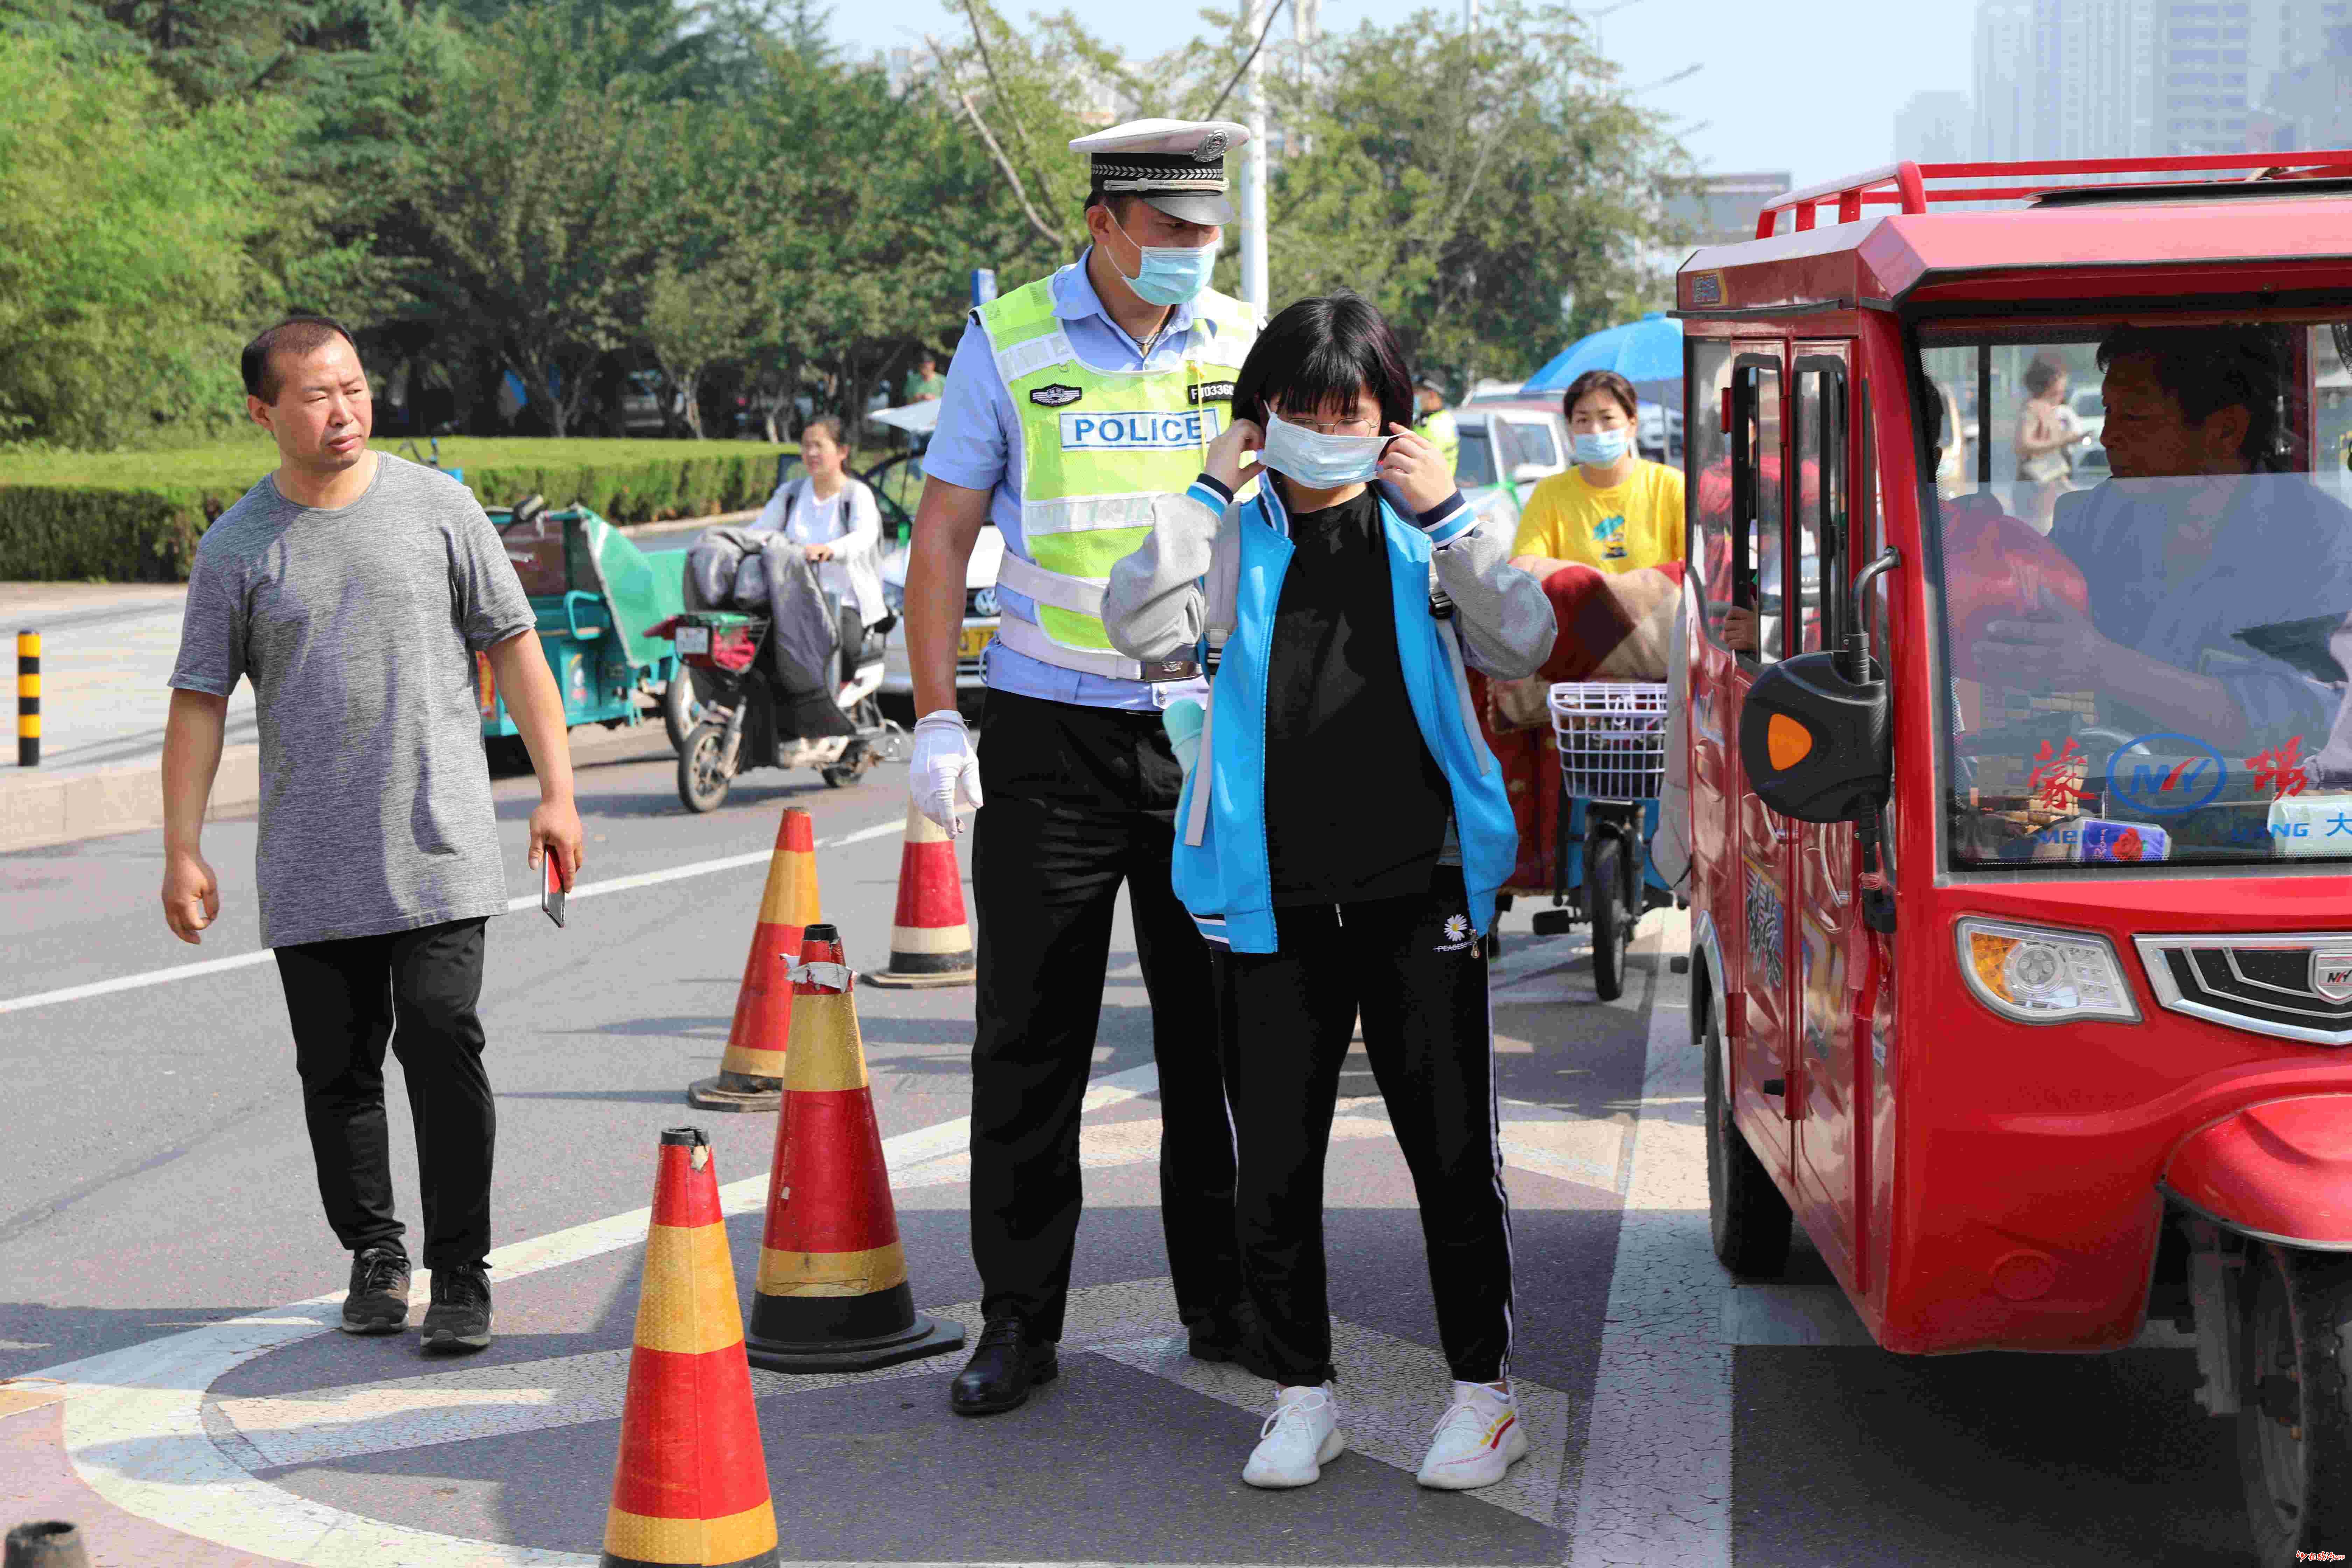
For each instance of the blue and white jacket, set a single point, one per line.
(1210, 576)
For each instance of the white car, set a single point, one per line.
(980, 617)
(1508, 445)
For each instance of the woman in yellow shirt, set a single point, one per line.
(1615, 509)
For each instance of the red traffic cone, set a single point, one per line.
(751, 1075)
(690, 1486)
(832, 1294)
(930, 941)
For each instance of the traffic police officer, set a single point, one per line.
(1437, 423)
(1070, 404)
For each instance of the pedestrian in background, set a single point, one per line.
(924, 383)
(1069, 399)
(353, 590)
(1343, 836)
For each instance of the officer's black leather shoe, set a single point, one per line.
(1231, 1335)
(1002, 1370)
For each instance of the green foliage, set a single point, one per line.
(1495, 195)
(576, 190)
(126, 228)
(137, 518)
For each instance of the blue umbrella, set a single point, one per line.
(1645, 351)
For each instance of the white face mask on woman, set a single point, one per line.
(1320, 462)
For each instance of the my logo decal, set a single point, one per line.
(1055, 396)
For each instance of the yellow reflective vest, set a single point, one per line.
(1098, 448)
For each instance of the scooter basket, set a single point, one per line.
(1612, 736)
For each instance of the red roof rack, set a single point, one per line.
(1907, 183)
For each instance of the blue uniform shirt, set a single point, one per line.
(978, 446)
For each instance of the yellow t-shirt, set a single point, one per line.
(1636, 525)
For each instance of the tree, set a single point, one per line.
(1473, 185)
(126, 228)
(535, 215)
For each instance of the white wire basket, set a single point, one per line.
(1612, 736)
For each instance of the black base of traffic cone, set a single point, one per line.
(927, 1336)
(48, 1543)
(736, 1092)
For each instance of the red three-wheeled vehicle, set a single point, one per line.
(2021, 769)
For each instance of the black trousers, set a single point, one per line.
(1414, 969)
(1076, 801)
(416, 991)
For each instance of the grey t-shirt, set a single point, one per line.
(357, 626)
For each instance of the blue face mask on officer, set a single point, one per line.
(1170, 274)
(1602, 448)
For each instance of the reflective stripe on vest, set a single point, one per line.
(1098, 448)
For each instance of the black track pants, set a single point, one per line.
(1416, 970)
(1076, 802)
(416, 991)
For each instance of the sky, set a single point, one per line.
(1809, 86)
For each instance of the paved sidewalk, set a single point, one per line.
(106, 652)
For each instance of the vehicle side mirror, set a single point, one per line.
(1817, 746)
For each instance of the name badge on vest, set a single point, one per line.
(1137, 432)
(1166, 669)
(1209, 392)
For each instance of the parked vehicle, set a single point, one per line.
(1512, 443)
(595, 599)
(2026, 992)
(648, 407)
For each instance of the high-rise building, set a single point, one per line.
(2107, 79)
(2005, 80)
(1932, 128)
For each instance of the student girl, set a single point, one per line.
(1341, 838)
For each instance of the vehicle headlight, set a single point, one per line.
(2043, 976)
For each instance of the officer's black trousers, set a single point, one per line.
(1076, 802)
(1414, 969)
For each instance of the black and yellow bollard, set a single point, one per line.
(28, 699)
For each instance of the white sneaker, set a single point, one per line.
(1297, 1440)
(1476, 1441)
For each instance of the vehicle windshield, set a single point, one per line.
(1475, 466)
(2149, 637)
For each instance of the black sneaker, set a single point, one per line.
(378, 1302)
(459, 1317)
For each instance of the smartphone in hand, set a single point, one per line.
(551, 887)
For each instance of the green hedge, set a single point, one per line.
(136, 517)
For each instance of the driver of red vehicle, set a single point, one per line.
(2197, 536)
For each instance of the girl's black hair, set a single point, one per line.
(1322, 351)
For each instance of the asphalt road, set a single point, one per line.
(157, 1184)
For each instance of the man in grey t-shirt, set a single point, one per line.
(353, 590)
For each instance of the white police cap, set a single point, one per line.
(1177, 166)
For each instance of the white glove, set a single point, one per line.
(944, 768)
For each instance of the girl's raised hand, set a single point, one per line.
(1224, 463)
(1413, 464)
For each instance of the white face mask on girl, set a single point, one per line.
(1320, 462)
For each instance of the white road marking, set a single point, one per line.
(1391, 1393)
(135, 1427)
(1656, 1482)
(583, 890)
